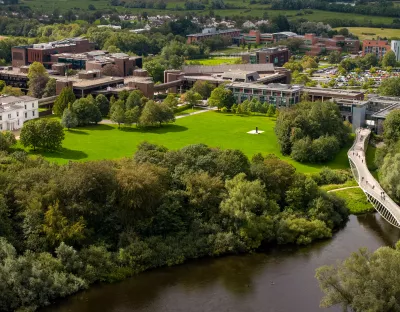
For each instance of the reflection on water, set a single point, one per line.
(277, 280)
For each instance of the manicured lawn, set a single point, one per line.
(213, 61)
(211, 128)
(356, 200)
(331, 187)
(369, 33)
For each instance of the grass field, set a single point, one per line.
(211, 128)
(366, 32)
(213, 61)
(356, 200)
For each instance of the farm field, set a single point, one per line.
(254, 10)
(211, 128)
(369, 32)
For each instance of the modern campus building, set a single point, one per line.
(208, 33)
(42, 52)
(14, 111)
(276, 56)
(281, 95)
(377, 47)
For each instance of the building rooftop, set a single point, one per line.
(271, 86)
(85, 83)
(217, 32)
(328, 91)
(10, 99)
(193, 69)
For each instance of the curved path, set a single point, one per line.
(343, 188)
(386, 207)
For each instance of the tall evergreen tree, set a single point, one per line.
(66, 96)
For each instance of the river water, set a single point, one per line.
(279, 280)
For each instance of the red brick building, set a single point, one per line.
(42, 52)
(314, 45)
(377, 47)
(277, 56)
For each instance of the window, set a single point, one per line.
(26, 115)
(17, 114)
(1, 127)
(18, 122)
(25, 106)
(1, 117)
(9, 116)
(33, 113)
(33, 105)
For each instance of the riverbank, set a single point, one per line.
(281, 279)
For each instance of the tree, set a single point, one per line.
(134, 100)
(271, 110)
(118, 115)
(390, 87)
(334, 57)
(156, 113)
(30, 134)
(171, 101)
(2, 85)
(391, 127)
(363, 282)
(50, 89)
(204, 88)
(192, 98)
(66, 97)
(7, 139)
(69, 119)
(37, 79)
(44, 133)
(111, 70)
(9, 90)
(86, 112)
(389, 59)
(221, 97)
(132, 116)
(103, 105)
(389, 174)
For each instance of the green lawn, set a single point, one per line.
(369, 32)
(189, 110)
(211, 128)
(331, 187)
(356, 200)
(213, 61)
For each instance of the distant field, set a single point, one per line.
(254, 10)
(213, 61)
(369, 33)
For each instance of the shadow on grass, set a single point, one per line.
(158, 130)
(74, 131)
(63, 153)
(98, 127)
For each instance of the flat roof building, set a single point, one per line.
(212, 32)
(41, 52)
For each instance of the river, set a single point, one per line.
(279, 280)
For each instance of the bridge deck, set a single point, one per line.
(386, 207)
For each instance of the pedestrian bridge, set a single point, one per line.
(385, 206)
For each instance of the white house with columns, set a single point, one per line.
(15, 110)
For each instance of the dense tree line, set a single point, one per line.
(311, 131)
(68, 226)
(387, 157)
(363, 282)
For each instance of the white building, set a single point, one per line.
(14, 111)
(395, 47)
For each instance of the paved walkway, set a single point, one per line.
(343, 188)
(365, 179)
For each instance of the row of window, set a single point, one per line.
(10, 115)
(33, 105)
